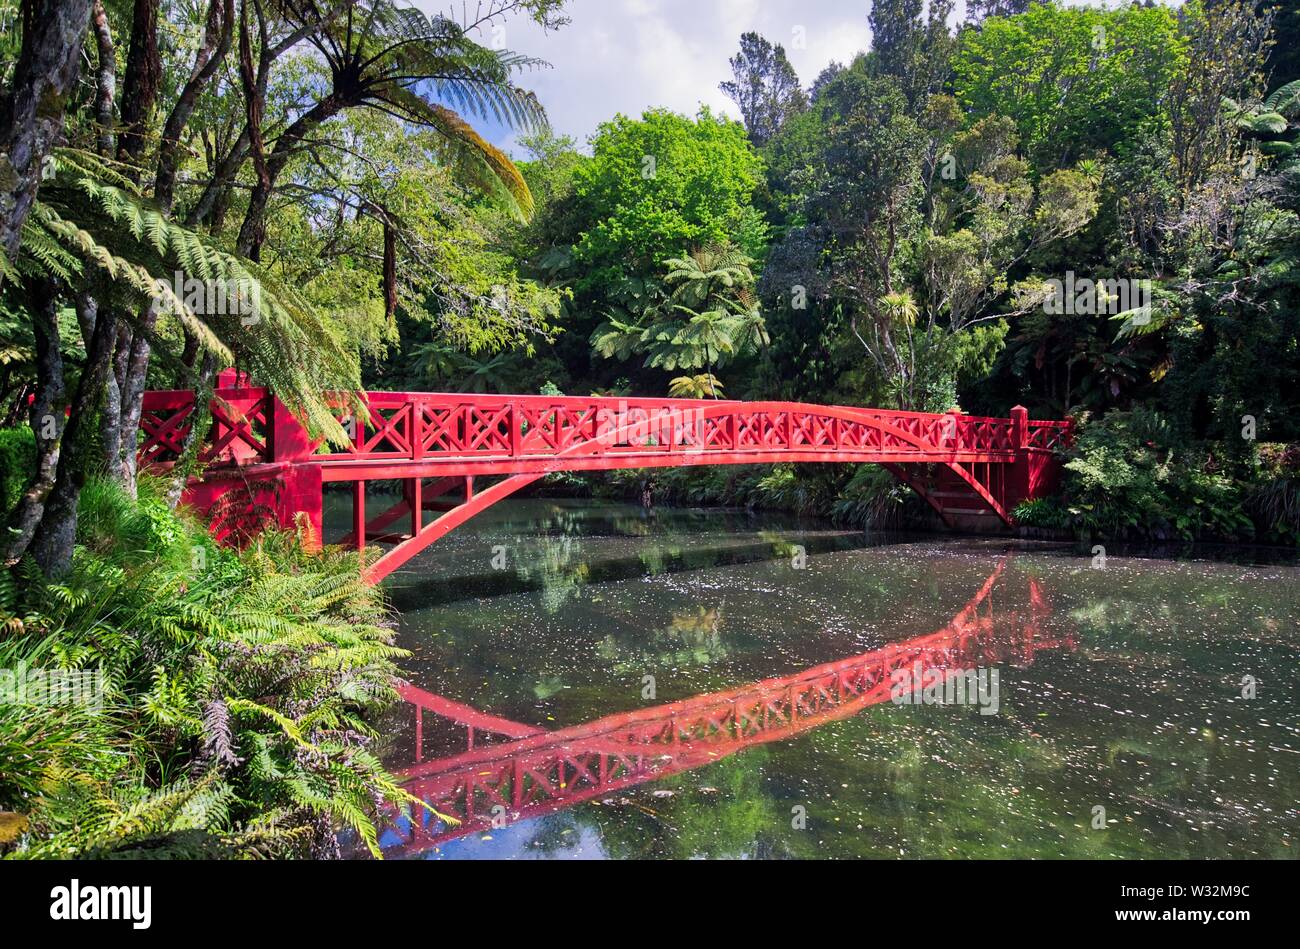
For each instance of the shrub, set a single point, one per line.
(1047, 513)
(236, 689)
(17, 462)
(874, 499)
(1128, 476)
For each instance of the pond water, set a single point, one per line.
(590, 680)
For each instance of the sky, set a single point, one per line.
(630, 55)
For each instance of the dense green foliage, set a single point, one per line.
(234, 684)
(1128, 475)
(17, 458)
(268, 185)
(1075, 80)
(659, 184)
(919, 207)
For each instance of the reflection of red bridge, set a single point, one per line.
(537, 772)
(260, 459)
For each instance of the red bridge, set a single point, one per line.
(536, 772)
(261, 465)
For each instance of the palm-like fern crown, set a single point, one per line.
(702, 386)
(1285, 100)
(899, 307)
(712, 287)
(428, 71)
(90, 221)
(716, 270)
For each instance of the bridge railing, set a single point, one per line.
(250, 426)
(1050, 436)
(420, 426)
(242, 427)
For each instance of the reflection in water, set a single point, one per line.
(1145, 716)
(539, 772)
(692, 637)
(558, 547)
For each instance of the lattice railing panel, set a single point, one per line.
(390, 430)
(240, 429)
(418, 425)
(164, 430)
(1050, 436)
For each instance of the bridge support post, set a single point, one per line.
(415, 497)
(360, 533)
(303, 491)
(1036, 472)
(1019, 474)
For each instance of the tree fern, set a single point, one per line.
(244, 682)
(425, 70)
(84, 222)
(1285, 100)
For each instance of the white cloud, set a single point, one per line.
(631, 55)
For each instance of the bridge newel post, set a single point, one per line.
(417, 430)
(291, 447)
(954, 440)
(1020, 428)
(1019, 477)
(516, 417)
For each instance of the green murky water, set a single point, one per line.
(1148, 708)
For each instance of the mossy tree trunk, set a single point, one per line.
(31, 118)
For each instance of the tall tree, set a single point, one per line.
(660, 185)
(377, 54)
(1227, 43)
(765, 88)
(913, 45)
(31, 123)
(32, 114)
(142, 80)
(1075, 79)
(908, 262)
(977, 10)
(142, 83)
(396, 61)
